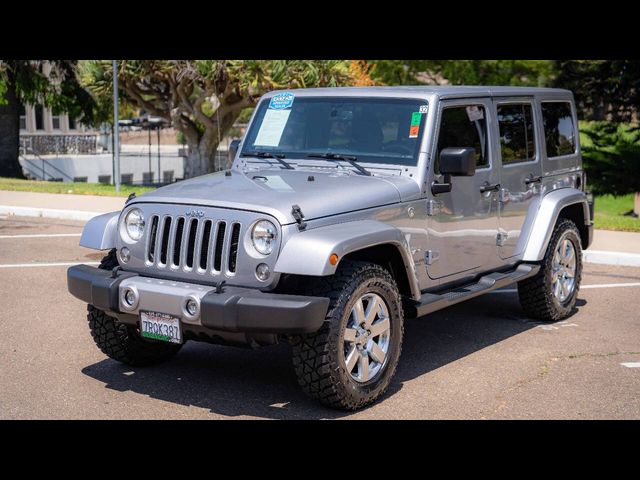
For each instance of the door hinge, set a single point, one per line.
(501, 239)
(433, 207)
(431, 256)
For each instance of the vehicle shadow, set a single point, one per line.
(261, 383)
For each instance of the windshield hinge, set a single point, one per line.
(298, 216)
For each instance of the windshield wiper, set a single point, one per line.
(347, 158)
(278, 156)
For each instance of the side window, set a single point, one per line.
(559, 130)
(517, 138)
(464, 126)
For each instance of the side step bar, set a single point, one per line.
(431, 302)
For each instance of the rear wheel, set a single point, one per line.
(123, 342)
(551, 295)
(351, 360)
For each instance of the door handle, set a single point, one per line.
(532, 179)
(487, 187)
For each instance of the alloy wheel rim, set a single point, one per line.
(367, 336)
(563, 270)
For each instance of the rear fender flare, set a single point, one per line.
(546, 218)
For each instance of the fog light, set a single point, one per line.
(192, 307)
(262, 272)
(129, 297)
(125, 254)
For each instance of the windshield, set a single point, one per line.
(373, 130)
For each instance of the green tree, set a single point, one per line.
(604, 89)
(52, 83)
(611, 156)
(463, 72)
(203, 98)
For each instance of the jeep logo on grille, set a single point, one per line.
(195, 213)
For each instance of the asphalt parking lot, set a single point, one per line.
(478, 360)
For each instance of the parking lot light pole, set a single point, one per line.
(116, 127)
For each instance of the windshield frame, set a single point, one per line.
(368, 160)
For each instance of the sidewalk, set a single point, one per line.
(612, 248)
(57, 205)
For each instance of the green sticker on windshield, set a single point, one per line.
(415, 119)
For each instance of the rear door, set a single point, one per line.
(520, 168)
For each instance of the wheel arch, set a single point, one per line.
(308, 253)
(569, 203)
(100, 233)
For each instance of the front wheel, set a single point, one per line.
(551, 294)
(351, 360)
(123, 342)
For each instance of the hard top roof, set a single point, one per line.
(425, 90)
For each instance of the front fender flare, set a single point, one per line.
(101, 232)
(308, 252)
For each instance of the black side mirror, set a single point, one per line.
(233, 148)
(455, 162)
(458, 162)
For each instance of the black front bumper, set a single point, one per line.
(234, 309)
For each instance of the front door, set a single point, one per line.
(520, 171)
(464, 222)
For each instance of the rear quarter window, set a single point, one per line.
(559, 128)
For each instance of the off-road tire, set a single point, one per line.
(123, 342)
(535, 293)
(318, 357)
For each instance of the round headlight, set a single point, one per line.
(264, 236)
(134, 224)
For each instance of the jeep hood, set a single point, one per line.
(274, 191)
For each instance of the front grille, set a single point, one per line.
(201, 244)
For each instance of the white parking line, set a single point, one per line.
(582, 287)
(631, 364)
(52, 264)
(42, 235)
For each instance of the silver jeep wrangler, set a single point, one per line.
(347, 210)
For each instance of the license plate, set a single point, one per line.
(160, 326)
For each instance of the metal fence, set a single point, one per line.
(59, 144)
(150, 163)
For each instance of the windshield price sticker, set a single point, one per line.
(273, 125)
(281, 101)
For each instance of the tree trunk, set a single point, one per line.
(636, 204)
(196, 163)
(202, 155)
(10, 132)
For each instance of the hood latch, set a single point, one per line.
(298, 216)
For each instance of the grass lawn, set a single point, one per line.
(610, 210)
(77, 188)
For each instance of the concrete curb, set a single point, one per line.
(611, 258)
(589, 256)
(48, 213)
